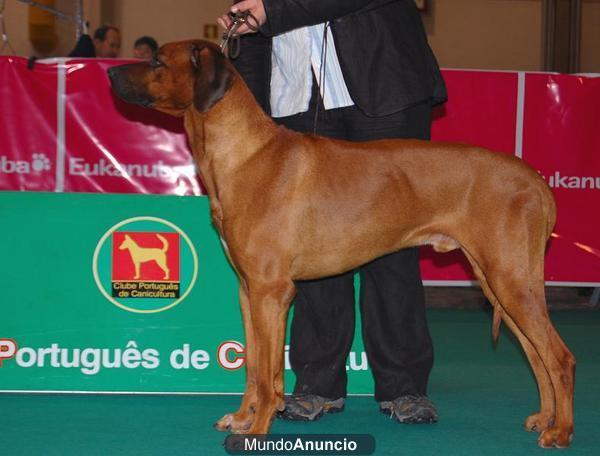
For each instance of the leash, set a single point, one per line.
(231, 40)
(322, 74)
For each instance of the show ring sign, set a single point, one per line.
(105, 299)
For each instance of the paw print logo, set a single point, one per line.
(40, 163)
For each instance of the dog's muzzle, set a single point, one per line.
(126, 89)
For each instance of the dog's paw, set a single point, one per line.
(224, 424)
(233, 423)
(539, 422)
(555, 437)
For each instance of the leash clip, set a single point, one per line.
(231, 39)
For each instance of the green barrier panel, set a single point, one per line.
(77, 314)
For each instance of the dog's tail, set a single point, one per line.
(165, 243)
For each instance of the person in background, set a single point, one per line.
(144, 48)
(105, 44)
(378, 79)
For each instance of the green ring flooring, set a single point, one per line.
(483, 394)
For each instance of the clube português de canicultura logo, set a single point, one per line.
(145, 265)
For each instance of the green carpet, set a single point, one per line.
(482, 393)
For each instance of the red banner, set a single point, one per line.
(481, 110)
(115, 147)
(62, 130)
(28, 136)
(561, 138)
(474, 114)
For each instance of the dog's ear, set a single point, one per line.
(213, 76)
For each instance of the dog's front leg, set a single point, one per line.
(269, 304)
(242, 419)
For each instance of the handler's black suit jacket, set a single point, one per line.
(381, 45)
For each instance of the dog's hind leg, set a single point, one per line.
(534, 322)
(242, 419)
(269, 305)
(543, 419)
(520, 292)
(162, 263)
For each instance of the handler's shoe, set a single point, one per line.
(410, 409)
(309, 407)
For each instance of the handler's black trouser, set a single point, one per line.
(392, 304)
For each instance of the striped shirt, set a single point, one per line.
(295, 56)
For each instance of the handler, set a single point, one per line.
(357, 70)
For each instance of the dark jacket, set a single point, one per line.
(381, 45)
(84, 47)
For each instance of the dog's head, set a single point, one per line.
(181, 75)
(127, 242)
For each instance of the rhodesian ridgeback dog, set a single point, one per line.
(293, 206)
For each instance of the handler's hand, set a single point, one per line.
(255, 7)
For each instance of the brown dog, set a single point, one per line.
(293, 206)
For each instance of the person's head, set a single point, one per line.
(107, 41)
(144, 48)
